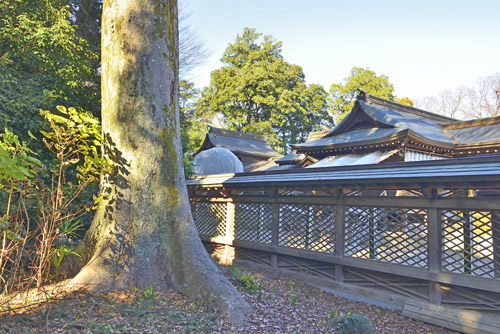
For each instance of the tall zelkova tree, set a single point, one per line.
(257, 91)
(343, 95)
(143, 232)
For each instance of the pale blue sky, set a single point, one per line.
(423, 46)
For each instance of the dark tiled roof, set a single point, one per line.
(427, 127)
(291, 158)
(482, 134)
(317, 134)
(239, 143)
(374, 119)
(355, 137)
(476, 131)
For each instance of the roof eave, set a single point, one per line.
(207, 144)
(396, 136)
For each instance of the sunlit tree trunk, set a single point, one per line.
(143, 233)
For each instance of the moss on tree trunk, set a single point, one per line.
(143, 233)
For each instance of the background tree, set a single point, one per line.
(343, 95)
(86, 15)
(257, 91)
(192, 50)
(143, 232)
(192, 126)
(448, 103)
(42, 63)
(480, 100)
(301, 114)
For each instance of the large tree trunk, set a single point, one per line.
(143, 233)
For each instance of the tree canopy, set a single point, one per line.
(42, 63)
(257, 91)
(343, 94)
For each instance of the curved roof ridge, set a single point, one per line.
(347, 122)
(404, 108)
(237, 134)
(471, 123)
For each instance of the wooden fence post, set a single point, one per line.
(229, 235)
(467, 228)
(339, 240)
(495, 228)
(275, 228)
(434, 252)
(372, 247)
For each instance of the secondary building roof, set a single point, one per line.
(291, 158)
(239, 143)
(484, 170)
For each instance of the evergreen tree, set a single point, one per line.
(257, 91)
(343, 95)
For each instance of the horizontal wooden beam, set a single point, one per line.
(469, 203)
(462, 280)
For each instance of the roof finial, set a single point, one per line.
(361, 95)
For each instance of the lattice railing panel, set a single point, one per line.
(210, 218)
(253, 222)
(309, 227)
(387, 234)
(469, 242)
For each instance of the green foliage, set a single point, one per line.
(17, 165)
(87, 16)
(351, 324)
(257, 91)
(148, 292)
(406, 101)
(8, 231)
(17, 161)
(42, 63)
(193, 128)
(58, 255)
(70, 228)
(291, 295)
(343, 95)
(76, 139)
(249, 282)
(235, 273)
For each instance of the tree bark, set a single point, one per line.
(143, 232)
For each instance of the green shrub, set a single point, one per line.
(351, 324)
(41, 216)
(249, 282)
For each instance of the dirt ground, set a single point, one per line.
(281, 305)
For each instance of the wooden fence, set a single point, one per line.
(433, 239)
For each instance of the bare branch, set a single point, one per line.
(192, 50)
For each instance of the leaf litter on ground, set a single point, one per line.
(281, 305)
